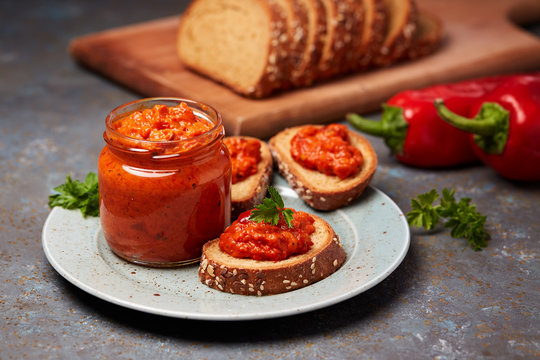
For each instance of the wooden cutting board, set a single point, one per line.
(480, 39)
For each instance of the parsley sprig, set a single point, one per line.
(270, 209)
(461, 216)
(78, 195)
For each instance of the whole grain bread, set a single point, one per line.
(318, 190)
(240, 43)
(223, 272)
(249, 192)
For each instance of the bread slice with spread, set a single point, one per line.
(245, 276)
(319, 190)
(248, 192)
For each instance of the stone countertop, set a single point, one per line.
(444, 301)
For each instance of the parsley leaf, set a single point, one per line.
(461, 217)
(74, 194)
(270, 208)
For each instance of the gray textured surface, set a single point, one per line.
(445, 301)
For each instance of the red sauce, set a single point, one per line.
(327, 150)
(245, 157)
(158, 209)
(162, 123)
(262, 241)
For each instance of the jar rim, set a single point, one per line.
(198, 108)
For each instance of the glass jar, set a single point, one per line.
(160, 201)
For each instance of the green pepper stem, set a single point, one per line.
(371, 127)
(392, 127)
(480, 126)
(490, 126)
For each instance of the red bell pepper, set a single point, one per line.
(506, 128)
(412, 129)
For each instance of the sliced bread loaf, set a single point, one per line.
(249, 192)
(241, 43)
(223, 272)
(318, 190)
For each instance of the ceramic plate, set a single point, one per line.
(373, 232)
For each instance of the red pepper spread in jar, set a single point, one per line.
(162, 123)
(245, 157)
(262, 241)
(159, 203)
(327, 150)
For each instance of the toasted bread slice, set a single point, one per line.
(221, 271)
(240, 43)
(249, 192)
(426, 38)
(400, 27)
(318, 190)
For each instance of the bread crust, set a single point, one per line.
(223, 272)
(250, 191)
(318, 190)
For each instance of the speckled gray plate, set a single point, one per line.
(373, 231)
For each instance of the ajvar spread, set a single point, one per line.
(159, 210)
(162, 123)
(327, 150)
(245, 157)
(263, 241)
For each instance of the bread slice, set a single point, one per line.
(306, 71)
(372, 34)
(223, 272)
(240, 43)
(318, 190)
(401, 24)
(336, 39)
(249, 192)
(297, 27)
(353, 41)
(426, 38)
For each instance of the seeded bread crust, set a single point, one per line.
(223, 272)
(273, 74)
(318, 190)
(250, 191)
(401, 25)
(427, 36)
(306, 72)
